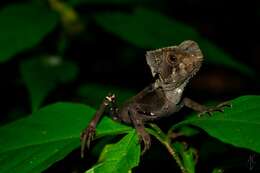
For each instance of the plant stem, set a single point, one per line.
(175, 156)
(162, 137)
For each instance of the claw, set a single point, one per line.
(220, 108)
(224, 104)
(209, 113)
(145, 138)
(86, 137)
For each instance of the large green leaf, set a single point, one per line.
(238, 125)
(104, 2)
(216, 55)
(119, 157)
(150, 29)
(93, 94)
(146, 28)
(32, 144)
(22, 27)
(42, 74)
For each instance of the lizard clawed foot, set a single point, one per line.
(86, 137)
(89, 133)
(219, 108)
(146, 140)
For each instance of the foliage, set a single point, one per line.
(119, 157)
(41, 139)
(93, 94)
(51, 132)
(22, 27)
(241, 120)
(149, 29)
(48, 72)
(46, 136)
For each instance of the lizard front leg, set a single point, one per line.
(201, 109)
(139, 126)
(88, 134)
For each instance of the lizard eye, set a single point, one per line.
(171, 59)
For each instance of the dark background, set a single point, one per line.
(105, 59)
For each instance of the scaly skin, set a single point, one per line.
(171, 67)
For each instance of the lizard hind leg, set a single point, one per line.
(144, 137)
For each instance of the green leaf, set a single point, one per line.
(150, 29)
(215, 55)
(35, 158)
(119, 157)
(41, 75)
(22, 27)
(185, 131)
(32, 144)
(188, 160)
(100, 144)
(93, 94)
(105, 2)
(217, 170)
(187, 155)
(146, 28)
(237, 125)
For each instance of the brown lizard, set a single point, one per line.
(171, 67)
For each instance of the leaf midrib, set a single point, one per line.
(60, 139)
(37, 143)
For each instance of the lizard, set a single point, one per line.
(172, 68)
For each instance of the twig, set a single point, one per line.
(162, 137)
(175, 156)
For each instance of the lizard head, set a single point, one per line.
(175, 65)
